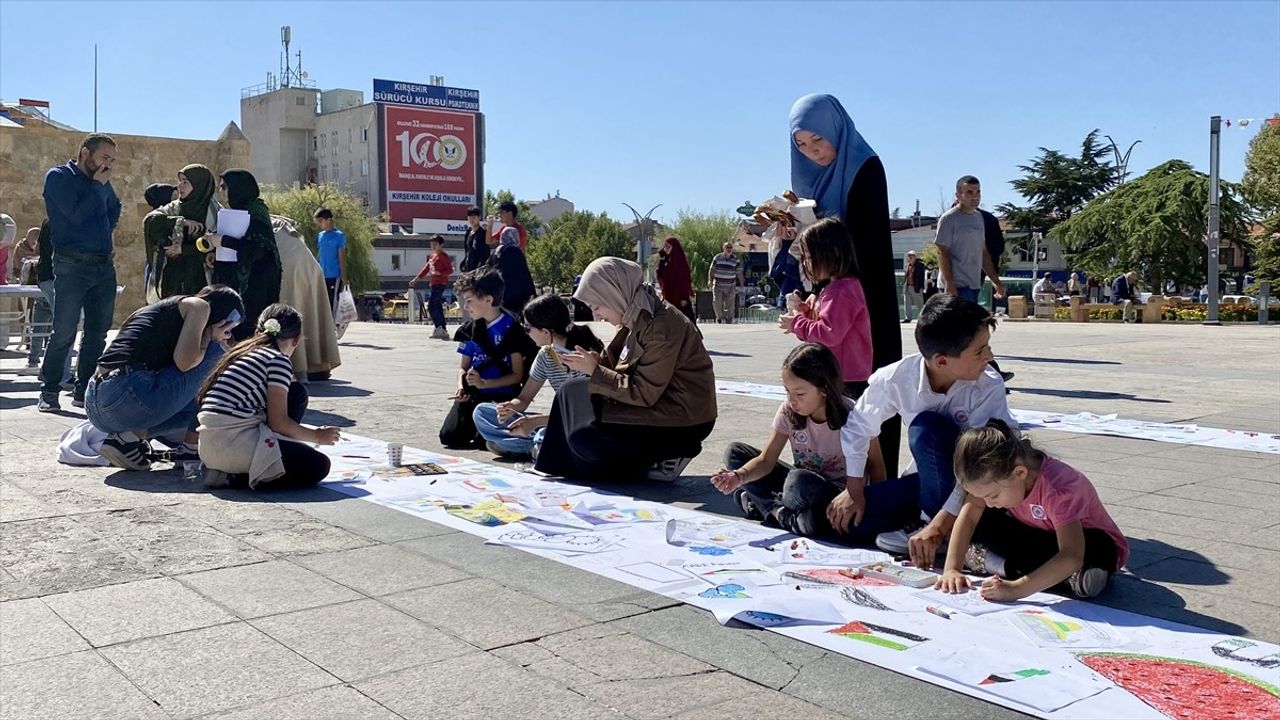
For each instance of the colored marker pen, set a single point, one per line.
(940, 612)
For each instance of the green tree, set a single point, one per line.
(349, 216)
(552, 258)
(702, 235)
(1057, 185)
(1261, 183)
(524, 216)
(604, 238)
(1155, 225)
(571, 242)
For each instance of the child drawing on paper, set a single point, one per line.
(508, 430)
(1030, 521)
(810, 420)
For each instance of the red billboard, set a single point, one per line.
(431, 158)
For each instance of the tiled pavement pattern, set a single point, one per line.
(133, 595)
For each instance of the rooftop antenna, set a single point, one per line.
(286, 35)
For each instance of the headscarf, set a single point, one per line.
(195, 206)
(829, 186)
(617, 285)
(243, 194)
(159, 194)
(673, 273)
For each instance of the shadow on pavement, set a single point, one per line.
(1064, 361)
(320, 417)
(1088, 395)
(367, 346)
(335, 389)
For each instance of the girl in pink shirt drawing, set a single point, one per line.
(1029, 521)
(839, 319)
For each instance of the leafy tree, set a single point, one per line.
(1266, 255)
(604, 238)
(1057, 185)
(524, 216)
(1261, 183)
(1155, 225)
(551, 260)
(702, 235)
(571, 242)
(349, 216)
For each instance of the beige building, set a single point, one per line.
(550, 208)
(300, 135)
(28, 151)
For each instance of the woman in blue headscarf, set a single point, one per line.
(833, 165)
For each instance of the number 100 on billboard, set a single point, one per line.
(431, 163)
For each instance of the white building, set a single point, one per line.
(299, 135)
(550, 208)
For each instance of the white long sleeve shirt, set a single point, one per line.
(903, 389)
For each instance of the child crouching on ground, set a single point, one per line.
(507, 429)
(495, 350)
(811, 419)
(249, 431)
(1029, 521)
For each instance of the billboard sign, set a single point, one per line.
(423, 226)
(431, 157)
(428, 96)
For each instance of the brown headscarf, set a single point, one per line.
(618, 285)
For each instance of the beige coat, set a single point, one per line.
(240, 445)
(302, 286)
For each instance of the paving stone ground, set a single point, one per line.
(134, 595)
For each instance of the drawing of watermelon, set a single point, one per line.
(875, 634)
(1185, 689)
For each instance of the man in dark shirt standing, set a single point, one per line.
(475, 249)
(83, 211)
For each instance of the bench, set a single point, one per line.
(1149, 312)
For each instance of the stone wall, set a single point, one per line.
(26, 153)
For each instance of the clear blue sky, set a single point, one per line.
(686, 104)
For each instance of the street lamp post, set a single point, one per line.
(645, 224)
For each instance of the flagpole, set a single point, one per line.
(95, 87)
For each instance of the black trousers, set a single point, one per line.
(304, 466)
(579, 446)
(1025, 548)
(458, 432)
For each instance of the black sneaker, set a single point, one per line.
(77, 401)
(1088, 582)
(754, 507)
(126, 455)
(48, 402)
(177, 456)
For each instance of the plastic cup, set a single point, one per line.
(395, 454)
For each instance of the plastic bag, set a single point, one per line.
(344, 311)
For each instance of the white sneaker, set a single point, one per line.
(894, 543)
(1088, 582)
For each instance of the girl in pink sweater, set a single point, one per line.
(839, 320)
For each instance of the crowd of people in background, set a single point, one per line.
(207, 363)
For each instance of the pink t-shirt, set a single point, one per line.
(1062, 495)
(814, 447)
(842, 325)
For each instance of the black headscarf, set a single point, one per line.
(242, 188)
(158, 194)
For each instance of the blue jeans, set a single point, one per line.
(435, 305)
(892, 503)
(968, 293)
(79, 286)
(932, 439)
(161, 401)
(487, 424)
